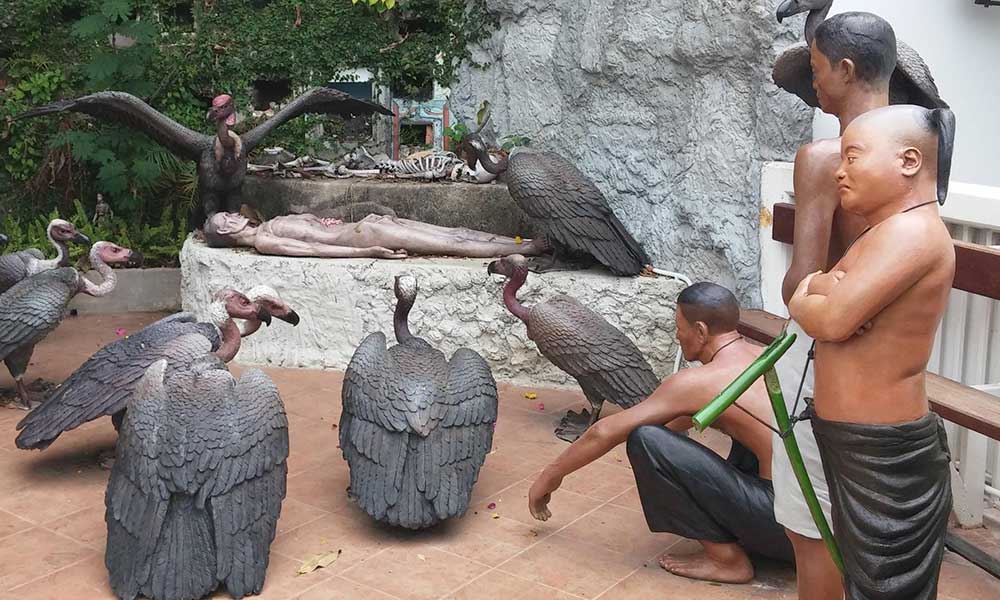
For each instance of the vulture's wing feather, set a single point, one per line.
(461, 434)
(121, 108)
(912, 82)
(571, 209)
(320, 100)
(602, 358)
(245, 514)
(105, 383)
(34, 307)
(374, 431)
(793, 73)
(136, 501)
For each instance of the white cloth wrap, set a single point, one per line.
(790, 508)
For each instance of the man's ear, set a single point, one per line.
(848, 69)
(702, 328)
(913, 160)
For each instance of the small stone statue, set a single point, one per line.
(102, 211)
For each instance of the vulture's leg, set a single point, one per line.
(559, 261)
(572, 426)
(17, 363)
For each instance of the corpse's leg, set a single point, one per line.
(393, 233)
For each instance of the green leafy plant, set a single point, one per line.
(380, 5)
(456, 133)
(509, 142)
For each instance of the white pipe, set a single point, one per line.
(687, 281)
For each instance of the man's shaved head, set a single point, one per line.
(711, 304)
(903, 143)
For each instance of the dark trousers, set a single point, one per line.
(689, 490)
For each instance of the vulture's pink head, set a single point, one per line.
(223, 108)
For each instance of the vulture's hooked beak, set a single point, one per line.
(787, 9)
(79, 238)
(134, 257)
(494, 268)
(263, 316)
(292, 317)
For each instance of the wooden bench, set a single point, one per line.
(977, 270)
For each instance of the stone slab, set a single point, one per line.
(343, 300)
(138, 290)
(486, 207)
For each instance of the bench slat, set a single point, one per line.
(977, 268)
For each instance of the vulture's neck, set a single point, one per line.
(250, 328)
(230, 341)
(61, 259)
(108, 277)
(813, 19)
(223, 136)
(400, 320)
(510, 294)
(492, 165)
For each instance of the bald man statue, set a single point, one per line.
(874, 318)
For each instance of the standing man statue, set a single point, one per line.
(853, 56)
(884, 454)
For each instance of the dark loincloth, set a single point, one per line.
(890, 487)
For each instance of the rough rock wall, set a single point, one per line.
(343, 300)
(667, 104)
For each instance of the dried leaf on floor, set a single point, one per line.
(496, 515)
(319, 561)
(530, 395)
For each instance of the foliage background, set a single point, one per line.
(184, 53)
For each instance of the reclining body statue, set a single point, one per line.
(375, 236)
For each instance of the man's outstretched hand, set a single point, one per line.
(539, 496)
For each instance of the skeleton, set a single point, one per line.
(432, 167)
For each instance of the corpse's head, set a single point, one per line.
(853, 54)
(225, 229)
(894, 153)
(705, 311)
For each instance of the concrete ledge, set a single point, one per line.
(343, 300)
(138, 290)
(486, 207)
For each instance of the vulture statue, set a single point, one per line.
(603, 360)
(18, 265)
(105, 384)
(564, 205)
(35, 306)
(195, 492)
(415, 427)
(222, 157)
(911, 82)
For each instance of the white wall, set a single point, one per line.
(960, 41)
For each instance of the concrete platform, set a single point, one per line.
(343, 300)
(486, 207)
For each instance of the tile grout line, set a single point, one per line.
(637, 569)
(53, 572)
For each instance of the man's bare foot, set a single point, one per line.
(730, 567)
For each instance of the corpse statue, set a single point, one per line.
(375, 236)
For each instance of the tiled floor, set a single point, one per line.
(52, 530)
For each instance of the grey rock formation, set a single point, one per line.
(667, 104)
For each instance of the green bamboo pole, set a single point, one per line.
(764, 366)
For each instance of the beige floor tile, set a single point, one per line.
(417, 573)
(570, 566)
(355, 539)
(11, 524)
(338, 588)
(565, 506)
(497, 584)
(85, 579)
(653, 582)
(34, 553)
(86, 526)
(620, 530)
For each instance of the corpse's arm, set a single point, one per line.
(816, 200)
(892, 261)
(281, 246)
(677, 396)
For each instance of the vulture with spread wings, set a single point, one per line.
(416, 427)
(222, 158)
(199, 477)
